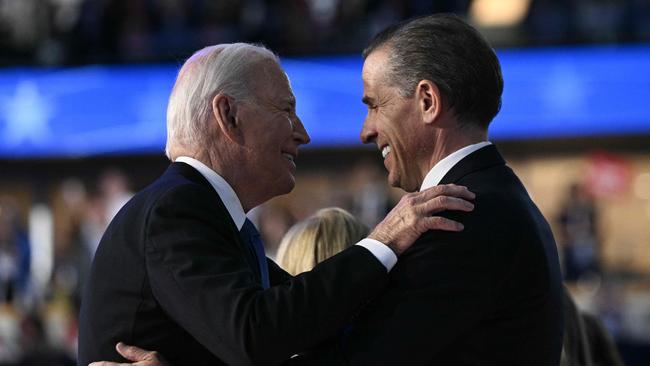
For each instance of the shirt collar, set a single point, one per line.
(224, 190)
(435, 175)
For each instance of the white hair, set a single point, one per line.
(224, 68)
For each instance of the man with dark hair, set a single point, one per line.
(491, 294)
(448, 52)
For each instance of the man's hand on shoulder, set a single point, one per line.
(139, 356)
(412, 216)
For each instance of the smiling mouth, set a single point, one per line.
(385, 151)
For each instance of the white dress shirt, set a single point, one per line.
(382, 252)
(435, 175)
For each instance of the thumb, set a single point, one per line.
(131, 353)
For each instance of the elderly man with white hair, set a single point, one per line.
(181, 269)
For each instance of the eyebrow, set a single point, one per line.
(367, 100)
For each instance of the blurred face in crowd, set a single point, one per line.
(271, 131)
(393, 123)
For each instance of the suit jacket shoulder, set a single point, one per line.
(489, 295)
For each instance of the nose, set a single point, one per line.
(300, 135)
(368, 131)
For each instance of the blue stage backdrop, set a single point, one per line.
(549, 93)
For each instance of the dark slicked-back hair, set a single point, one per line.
(452, 54)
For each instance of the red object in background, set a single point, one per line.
(607, 175)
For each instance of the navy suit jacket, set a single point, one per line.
(172, 274)
(488, 295)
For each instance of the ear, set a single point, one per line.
(429, 101)
(224, 111)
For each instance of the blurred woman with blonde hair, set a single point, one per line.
(311, 241)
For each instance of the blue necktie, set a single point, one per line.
(255, 242)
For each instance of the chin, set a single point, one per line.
(394, 181)
(290, 187)
(287, 186)
(397, 183)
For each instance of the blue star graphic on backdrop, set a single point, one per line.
(26, 114)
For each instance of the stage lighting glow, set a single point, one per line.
(499, 13)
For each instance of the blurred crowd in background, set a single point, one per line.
(64, 32)
(603, 234)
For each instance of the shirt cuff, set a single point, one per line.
(381, 251)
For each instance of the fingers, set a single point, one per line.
(446, 190)
(441, 223)
(444, 203)
(131, 353)
(106, 363)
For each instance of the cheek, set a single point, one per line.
(404, 147)
(396, 137)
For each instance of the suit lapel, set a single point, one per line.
(480, 159)
(195, 176)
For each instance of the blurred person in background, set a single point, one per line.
(14, 253)
(371, 197)
(14, 278)
(114, 188)
(490, 294)
(181, 269)
(322, 235)
(579, 230)
(586, 341)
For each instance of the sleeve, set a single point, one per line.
(381, 251)
(199, 276)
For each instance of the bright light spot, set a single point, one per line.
(499, 13)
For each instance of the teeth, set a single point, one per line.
(385, 151)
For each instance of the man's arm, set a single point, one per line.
(199, 276)
(201, 280)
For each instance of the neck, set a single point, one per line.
(450, 140)
(229, 168)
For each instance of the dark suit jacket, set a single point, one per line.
(172, 274)
(489, 295)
